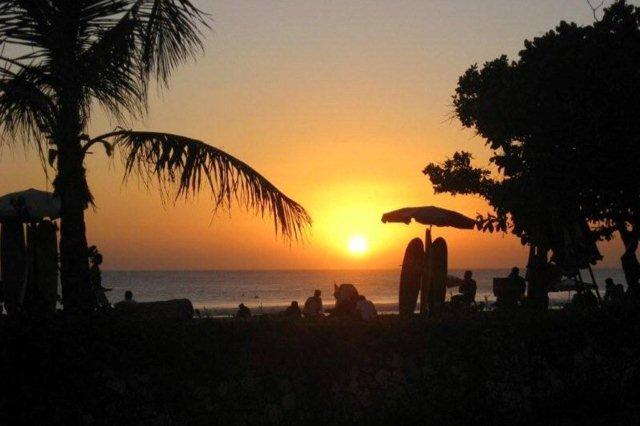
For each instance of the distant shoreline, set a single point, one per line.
(597, 268)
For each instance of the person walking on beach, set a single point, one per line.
(313, 305)
(243, 311)
(366, 309)
(95, 278)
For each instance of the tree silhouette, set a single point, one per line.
(61, 58)
(562, 124)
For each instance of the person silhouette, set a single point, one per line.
(614, 293)
(366, 308)
(293, 310)
(95, 278)
(128, 301)
(512, 293)
(468, 288)
(313, 305)
(243, 311)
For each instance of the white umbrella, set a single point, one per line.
(28, 205)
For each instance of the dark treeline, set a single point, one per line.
(562, 124)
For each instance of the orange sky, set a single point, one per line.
(340, 104)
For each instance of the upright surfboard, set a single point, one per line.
(410, 277)
(425, 286)
(47, 265)
(12, 259)
(439, 266)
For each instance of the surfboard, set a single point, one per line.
(425, 285)
(12, 259)
(438, 275)
(47, 264)
(410, 277)
(29, 298)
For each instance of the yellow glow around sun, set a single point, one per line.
(358, 245)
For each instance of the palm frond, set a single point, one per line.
(129, 41)
(111, 74)
(171, 35)
(26, 109)
(186, 165)
(26, 23)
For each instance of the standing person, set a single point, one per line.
(313, 305)
(468, 289)
(366, 308)
(95, 277)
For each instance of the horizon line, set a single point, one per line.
(312, 270)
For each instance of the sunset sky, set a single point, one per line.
(340, 104)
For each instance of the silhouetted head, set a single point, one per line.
(361, 297)
(97, 259)
(317, 293)
(241, 305)
(294, 303)
(468, 274)
(128, 295)
(345, 292)
(609, 281)
(515, 271)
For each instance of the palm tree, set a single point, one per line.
(59, 59)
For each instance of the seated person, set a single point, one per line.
(293, 311)
(511, 293)
(584, 299)
(467, 290)
(313, 305)
(366, 309)
(614, 293)
(243, 311)
(128, 300)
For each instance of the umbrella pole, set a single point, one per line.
(593, 280)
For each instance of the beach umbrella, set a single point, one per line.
(29, 205)
(429, 215)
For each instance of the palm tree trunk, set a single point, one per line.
(629, 259)
(74, 271)
(71, 185)
(538, 276)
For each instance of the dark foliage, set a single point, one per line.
(562, 124)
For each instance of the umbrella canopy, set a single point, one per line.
(29, 205)
(430, 215)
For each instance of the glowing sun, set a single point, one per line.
(358, 245)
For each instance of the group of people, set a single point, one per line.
(510, 293)
(614, 295)
(313, 308)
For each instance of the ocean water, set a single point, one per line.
(220, 292)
